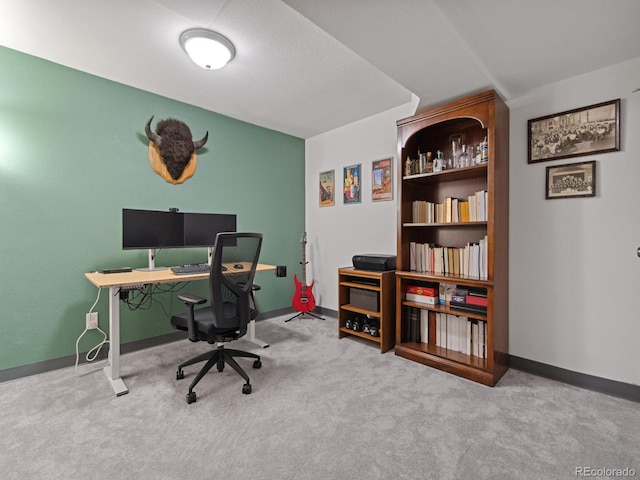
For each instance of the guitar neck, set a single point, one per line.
(304, 260)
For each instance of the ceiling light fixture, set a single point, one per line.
(206, 48)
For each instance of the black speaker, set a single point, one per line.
(357, 324)
(281, 271)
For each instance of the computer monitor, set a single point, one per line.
(150, 229)
(200, 229)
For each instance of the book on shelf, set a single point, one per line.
(424, 326)
(461, 334)
(414, 324)
(464, 210)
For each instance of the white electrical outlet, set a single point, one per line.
(92, 320)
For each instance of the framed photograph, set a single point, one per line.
(572, 180)
(382, 180)
(327, 188)
(583, 131)
(351, 184)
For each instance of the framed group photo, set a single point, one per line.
(571, 180)
(582, 131)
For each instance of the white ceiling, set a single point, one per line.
(304, 67)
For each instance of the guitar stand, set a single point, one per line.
(305, 313)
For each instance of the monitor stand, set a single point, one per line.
(152, 262)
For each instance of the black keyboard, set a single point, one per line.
(191, 269)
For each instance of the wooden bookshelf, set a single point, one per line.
(475, 117)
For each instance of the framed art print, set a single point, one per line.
(351, 179)
(327, 188)
(382, 180)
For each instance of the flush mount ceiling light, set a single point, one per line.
(206, 48)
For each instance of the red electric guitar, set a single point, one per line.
(303, 300)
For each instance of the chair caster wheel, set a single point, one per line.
(257, 364)
(246, 388)
(220, 366)
(191, 397)
(179, 374)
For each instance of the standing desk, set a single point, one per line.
(114, 281)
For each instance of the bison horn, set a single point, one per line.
(200, 143)
(154, 137)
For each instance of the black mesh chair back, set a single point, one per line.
(233, 268)
(231, 287)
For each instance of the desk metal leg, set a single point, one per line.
(251, 335)
(112, 370)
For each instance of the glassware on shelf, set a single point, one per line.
(456, 142)
(464, 160)
(437, 163)
(423, 163)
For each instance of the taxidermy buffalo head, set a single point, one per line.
(175, 144)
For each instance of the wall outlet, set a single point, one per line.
(92, 320)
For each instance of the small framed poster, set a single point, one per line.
(382, 180)
(351, 179)
(327, 188)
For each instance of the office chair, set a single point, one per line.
(233, 267)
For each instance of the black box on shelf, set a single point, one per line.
(365, 299)
(374, 262)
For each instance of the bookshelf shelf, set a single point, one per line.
(476, 118)
(445, 225)
(379, 288)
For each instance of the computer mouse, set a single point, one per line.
(239, 266)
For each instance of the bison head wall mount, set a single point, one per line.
(172, 151)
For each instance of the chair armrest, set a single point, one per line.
(191, 299)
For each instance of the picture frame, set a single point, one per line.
(351, 180)
(382, 180)
(327, 188)
(581, 131)
(571, 180)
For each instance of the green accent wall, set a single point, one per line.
(73, 154)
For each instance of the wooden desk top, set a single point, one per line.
(161, 275)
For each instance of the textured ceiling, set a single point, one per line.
(304, 67)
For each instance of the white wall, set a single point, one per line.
(335, 234)
(574, 272)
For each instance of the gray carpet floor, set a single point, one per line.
(321, 408)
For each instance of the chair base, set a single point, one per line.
(219, 357)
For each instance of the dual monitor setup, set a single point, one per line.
(152, 230)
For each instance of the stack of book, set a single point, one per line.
(471, 300)
(422, 294)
